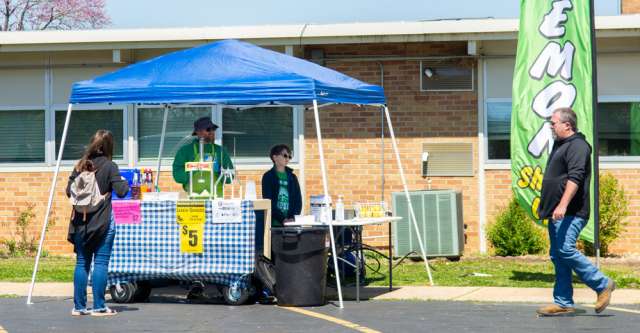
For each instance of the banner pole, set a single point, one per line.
(596, 155)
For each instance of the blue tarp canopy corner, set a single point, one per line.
(225, 72)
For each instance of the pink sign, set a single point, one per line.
(126, 211)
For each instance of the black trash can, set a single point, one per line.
(301, 265)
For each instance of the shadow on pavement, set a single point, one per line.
(536, 276)
(349, 293)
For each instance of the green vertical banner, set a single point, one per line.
(553, 70)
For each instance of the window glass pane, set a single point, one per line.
(498, 129)
(256, 130)
(22, 136)
(83, 125)
(179, 129)
(619, 129)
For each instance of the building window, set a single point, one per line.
(498, 130)
(618, 129)
(446, 75)
(22, 136)
(179, 129)
(83, 125)
(251, 132)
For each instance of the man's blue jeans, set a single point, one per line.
(563, 235)
(100, 260)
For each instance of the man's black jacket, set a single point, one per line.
(570, 159)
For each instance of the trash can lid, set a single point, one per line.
(299, 229)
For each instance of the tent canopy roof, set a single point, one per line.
(225, 72)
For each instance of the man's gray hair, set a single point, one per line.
(568, 116)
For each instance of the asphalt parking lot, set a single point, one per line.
(173, 313)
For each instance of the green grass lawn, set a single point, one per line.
(470, 271)
(490, 271)
(51, 269)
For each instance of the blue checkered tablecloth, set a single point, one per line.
(151, 249)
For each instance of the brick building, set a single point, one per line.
(630, 6)
(467, 104)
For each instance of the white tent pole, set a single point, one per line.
(326, 196)
(51, 192)
(406, 193)
(164, 130)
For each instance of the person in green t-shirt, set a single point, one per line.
(204, 129)
(281, 186)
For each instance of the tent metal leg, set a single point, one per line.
(51, 192)
(406, 192)
(326, 195)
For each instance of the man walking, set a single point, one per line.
(565, 203)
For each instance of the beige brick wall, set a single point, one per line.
(498, 192)
(630, 6)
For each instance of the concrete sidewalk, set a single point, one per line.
(480, 294)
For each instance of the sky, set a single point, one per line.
(210, 13)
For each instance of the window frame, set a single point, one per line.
(619, 99)
(421, 74)
(607, 161)
(51, 138)
(167, 160)
(487, 101)
(19, 165)
(216, 116)
(266, 160)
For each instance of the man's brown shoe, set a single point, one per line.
(556, 310)
(604, 297)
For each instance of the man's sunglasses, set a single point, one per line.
(554, 123)
(287, 156)
(211, 129)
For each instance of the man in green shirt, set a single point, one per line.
(203, 129)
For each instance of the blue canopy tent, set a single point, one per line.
(228, 72)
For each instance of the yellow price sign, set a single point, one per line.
(191, 238)
(190, 212)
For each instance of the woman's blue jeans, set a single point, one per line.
(100, 258)
(563, 235)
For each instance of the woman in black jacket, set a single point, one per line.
(281, 186)
(92, 233)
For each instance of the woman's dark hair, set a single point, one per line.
(277, 150)
(101, 144)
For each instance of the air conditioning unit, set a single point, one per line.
(439, 217)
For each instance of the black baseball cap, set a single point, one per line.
(203, 124)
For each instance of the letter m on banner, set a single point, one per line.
(553, 70)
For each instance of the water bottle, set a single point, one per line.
(135, 186)
(339, 209)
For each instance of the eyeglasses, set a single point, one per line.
(211, 129)
(287, 156)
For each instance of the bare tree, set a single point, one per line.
(53, 14)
